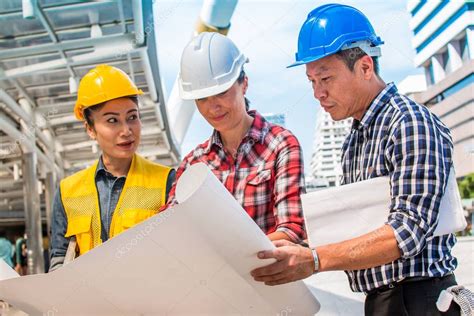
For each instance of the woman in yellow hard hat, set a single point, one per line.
(119, 190)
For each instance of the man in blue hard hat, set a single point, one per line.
(401, 266)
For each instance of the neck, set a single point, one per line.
(117, 166)
(232, 138)
(372, 92)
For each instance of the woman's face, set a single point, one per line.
(117, 128)
(224, 111)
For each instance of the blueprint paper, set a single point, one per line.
(365, 205)
(193, 259)
(6, 272)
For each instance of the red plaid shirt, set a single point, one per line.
(265, 177)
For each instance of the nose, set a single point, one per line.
(213, 104)
(320, 93)
(126, 130)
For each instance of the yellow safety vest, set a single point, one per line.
(143, 194)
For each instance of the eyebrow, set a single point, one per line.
(320, 71)
(115, 113)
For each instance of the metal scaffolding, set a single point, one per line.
(45, 48)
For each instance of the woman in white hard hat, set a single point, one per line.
(119, 190)
(258, 162)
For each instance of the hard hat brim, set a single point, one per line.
(204, 93)
(79, 110)
(306, 61)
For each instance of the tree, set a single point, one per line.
(466, 186)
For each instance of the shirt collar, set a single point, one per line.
(377, 104)
(101, 169)
(257, 132)
(100, 166)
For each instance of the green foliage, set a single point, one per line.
(466, 186)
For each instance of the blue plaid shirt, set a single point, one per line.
(405, 141)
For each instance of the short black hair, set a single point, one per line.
(88, 111)
(352, 55)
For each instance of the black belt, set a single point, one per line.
(390, 286)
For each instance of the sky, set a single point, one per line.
(267, 33)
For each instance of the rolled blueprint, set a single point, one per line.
(364, 206)
(192, 259)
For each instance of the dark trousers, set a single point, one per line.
(410, 297)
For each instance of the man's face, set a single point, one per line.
(337, 88)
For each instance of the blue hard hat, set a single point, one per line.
(331, 28)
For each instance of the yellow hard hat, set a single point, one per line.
(101, 84)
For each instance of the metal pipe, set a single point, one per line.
(106, 52)
(57, 8)
(20, 138)
(137, 10)
(15, 107)
(28, 8)
(50, 187)
(26, 118)
(47, 25)
(32, 215)
(11, 194)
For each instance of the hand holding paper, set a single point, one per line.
(294, 262)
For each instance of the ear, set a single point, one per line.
(90, 131)
(365, 66)
(245, 84)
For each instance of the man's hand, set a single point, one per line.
(294, 262)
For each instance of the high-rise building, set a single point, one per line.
(278, 119)
(443, 38)
(329, 136)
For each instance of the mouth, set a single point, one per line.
(126, 145)
(327, 107)
(219, 117)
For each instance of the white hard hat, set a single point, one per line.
(210, 64)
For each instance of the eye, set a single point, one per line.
(325, 79)
(133, 117)
(112, 120)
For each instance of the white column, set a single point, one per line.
(438, 70)
(455, 58)
(470, 41)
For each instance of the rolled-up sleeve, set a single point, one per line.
(289, 185)
(421, 162)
